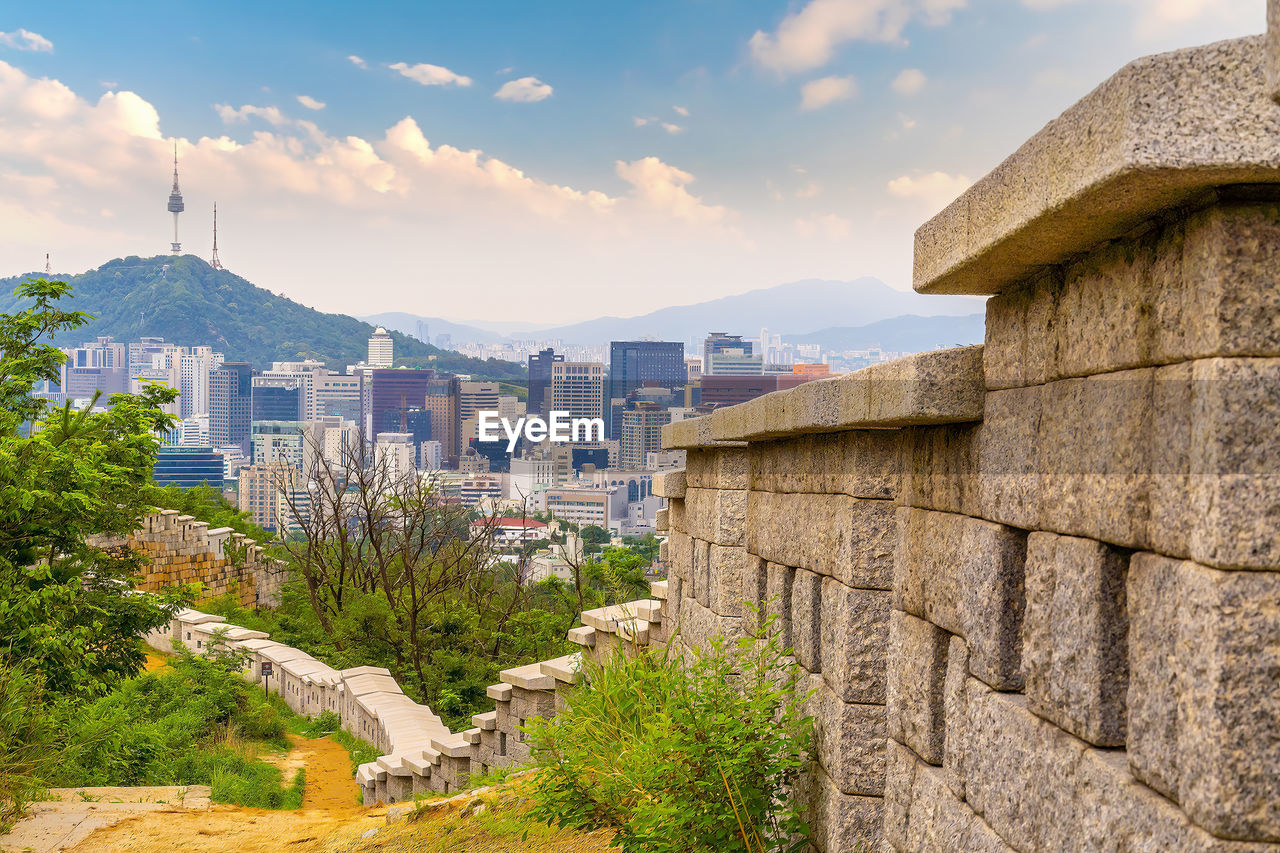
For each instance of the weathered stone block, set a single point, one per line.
(1236, 442)
(700, 579)
(966, 576)
(735, 578)
(955, 714)
(1019, 349)
(917, 666)
(922, 814)
(940, 468)
(715, 515)
(806, 619)
(1074, 637)
(839, 822)
(719, 468)
(1008, 460)
(859, 463)
(778, 585)
(699, 624)
(848, 739)
(670, 484)
(853, 641)
(680, 551)
(846, 538)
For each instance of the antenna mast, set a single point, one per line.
(48, 268)
(214, 262)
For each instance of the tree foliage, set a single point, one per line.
(65, 606)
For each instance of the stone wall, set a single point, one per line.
(421, 753)
(1035, 585)
(179, 549)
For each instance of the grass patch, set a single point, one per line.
(195, 723)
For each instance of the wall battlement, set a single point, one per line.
(180, 549)
(1035, 585)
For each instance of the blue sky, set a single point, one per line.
(653, 153)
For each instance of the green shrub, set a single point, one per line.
(683, 753)
(325, 723)
(27, 732)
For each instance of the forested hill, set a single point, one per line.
(185, 301)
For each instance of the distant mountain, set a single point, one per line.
(184, 300)
(796, 308)
(909, 333)
(398, 321)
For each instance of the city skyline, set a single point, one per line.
(569, 166)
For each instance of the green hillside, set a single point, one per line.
(190, 303)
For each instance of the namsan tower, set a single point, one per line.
(175, 204)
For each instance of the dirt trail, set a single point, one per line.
(329, 807)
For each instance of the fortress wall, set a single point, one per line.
(1035, 585)
(178, 549)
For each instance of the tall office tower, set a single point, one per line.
(277, 398)
(442, 402)
(175, 204)
(693, 366)
(396, 393)
(642, 432)
(473, 398)
(720, 342)
(735, 361)
(540, 379)
(230, 403)
(577, 387)
(634, 364)
(339, 394)
(380, 350)
(143, 351)
(98, 366)
(194, 369)
(423, 332)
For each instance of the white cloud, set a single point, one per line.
(684, 111)
(808, 39)
(819, 93)
(672, 128)
(934, 189)
(661, 188)
(430, 75)
(357, 61)
(526, 90)
(641, 122)
(909, 82)
(231, 115)
(828, 226)
(311, 103)
(26, 40)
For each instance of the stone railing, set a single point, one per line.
(180, 549)
(1035, 585)
(422, 754)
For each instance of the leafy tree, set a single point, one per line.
(66, 606)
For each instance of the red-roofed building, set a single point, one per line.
(511, 531)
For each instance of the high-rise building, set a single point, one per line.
(278, 398)
(473, 398)
(280, 442)
(735, 361)
(442, 402)
(720, 342)
(397, 452)
(634, 364)
(397, 393)
(540, 379)
(194, 368)
(642, 432)
(188, 467)
(380, 349)
(577, 387)
(271, 494)
(340, 395)
(230, 403)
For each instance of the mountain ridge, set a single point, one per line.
(186, 301)
(792, 308)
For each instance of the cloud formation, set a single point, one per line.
(311, 103)
(933, 189)
(808, 38)
(357, 61)
(909, 82)
(819, 93)
(526, 90)
(430, 75)
(661, 188)
(26, 40)
(231, 115)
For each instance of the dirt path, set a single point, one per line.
(329, 806)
